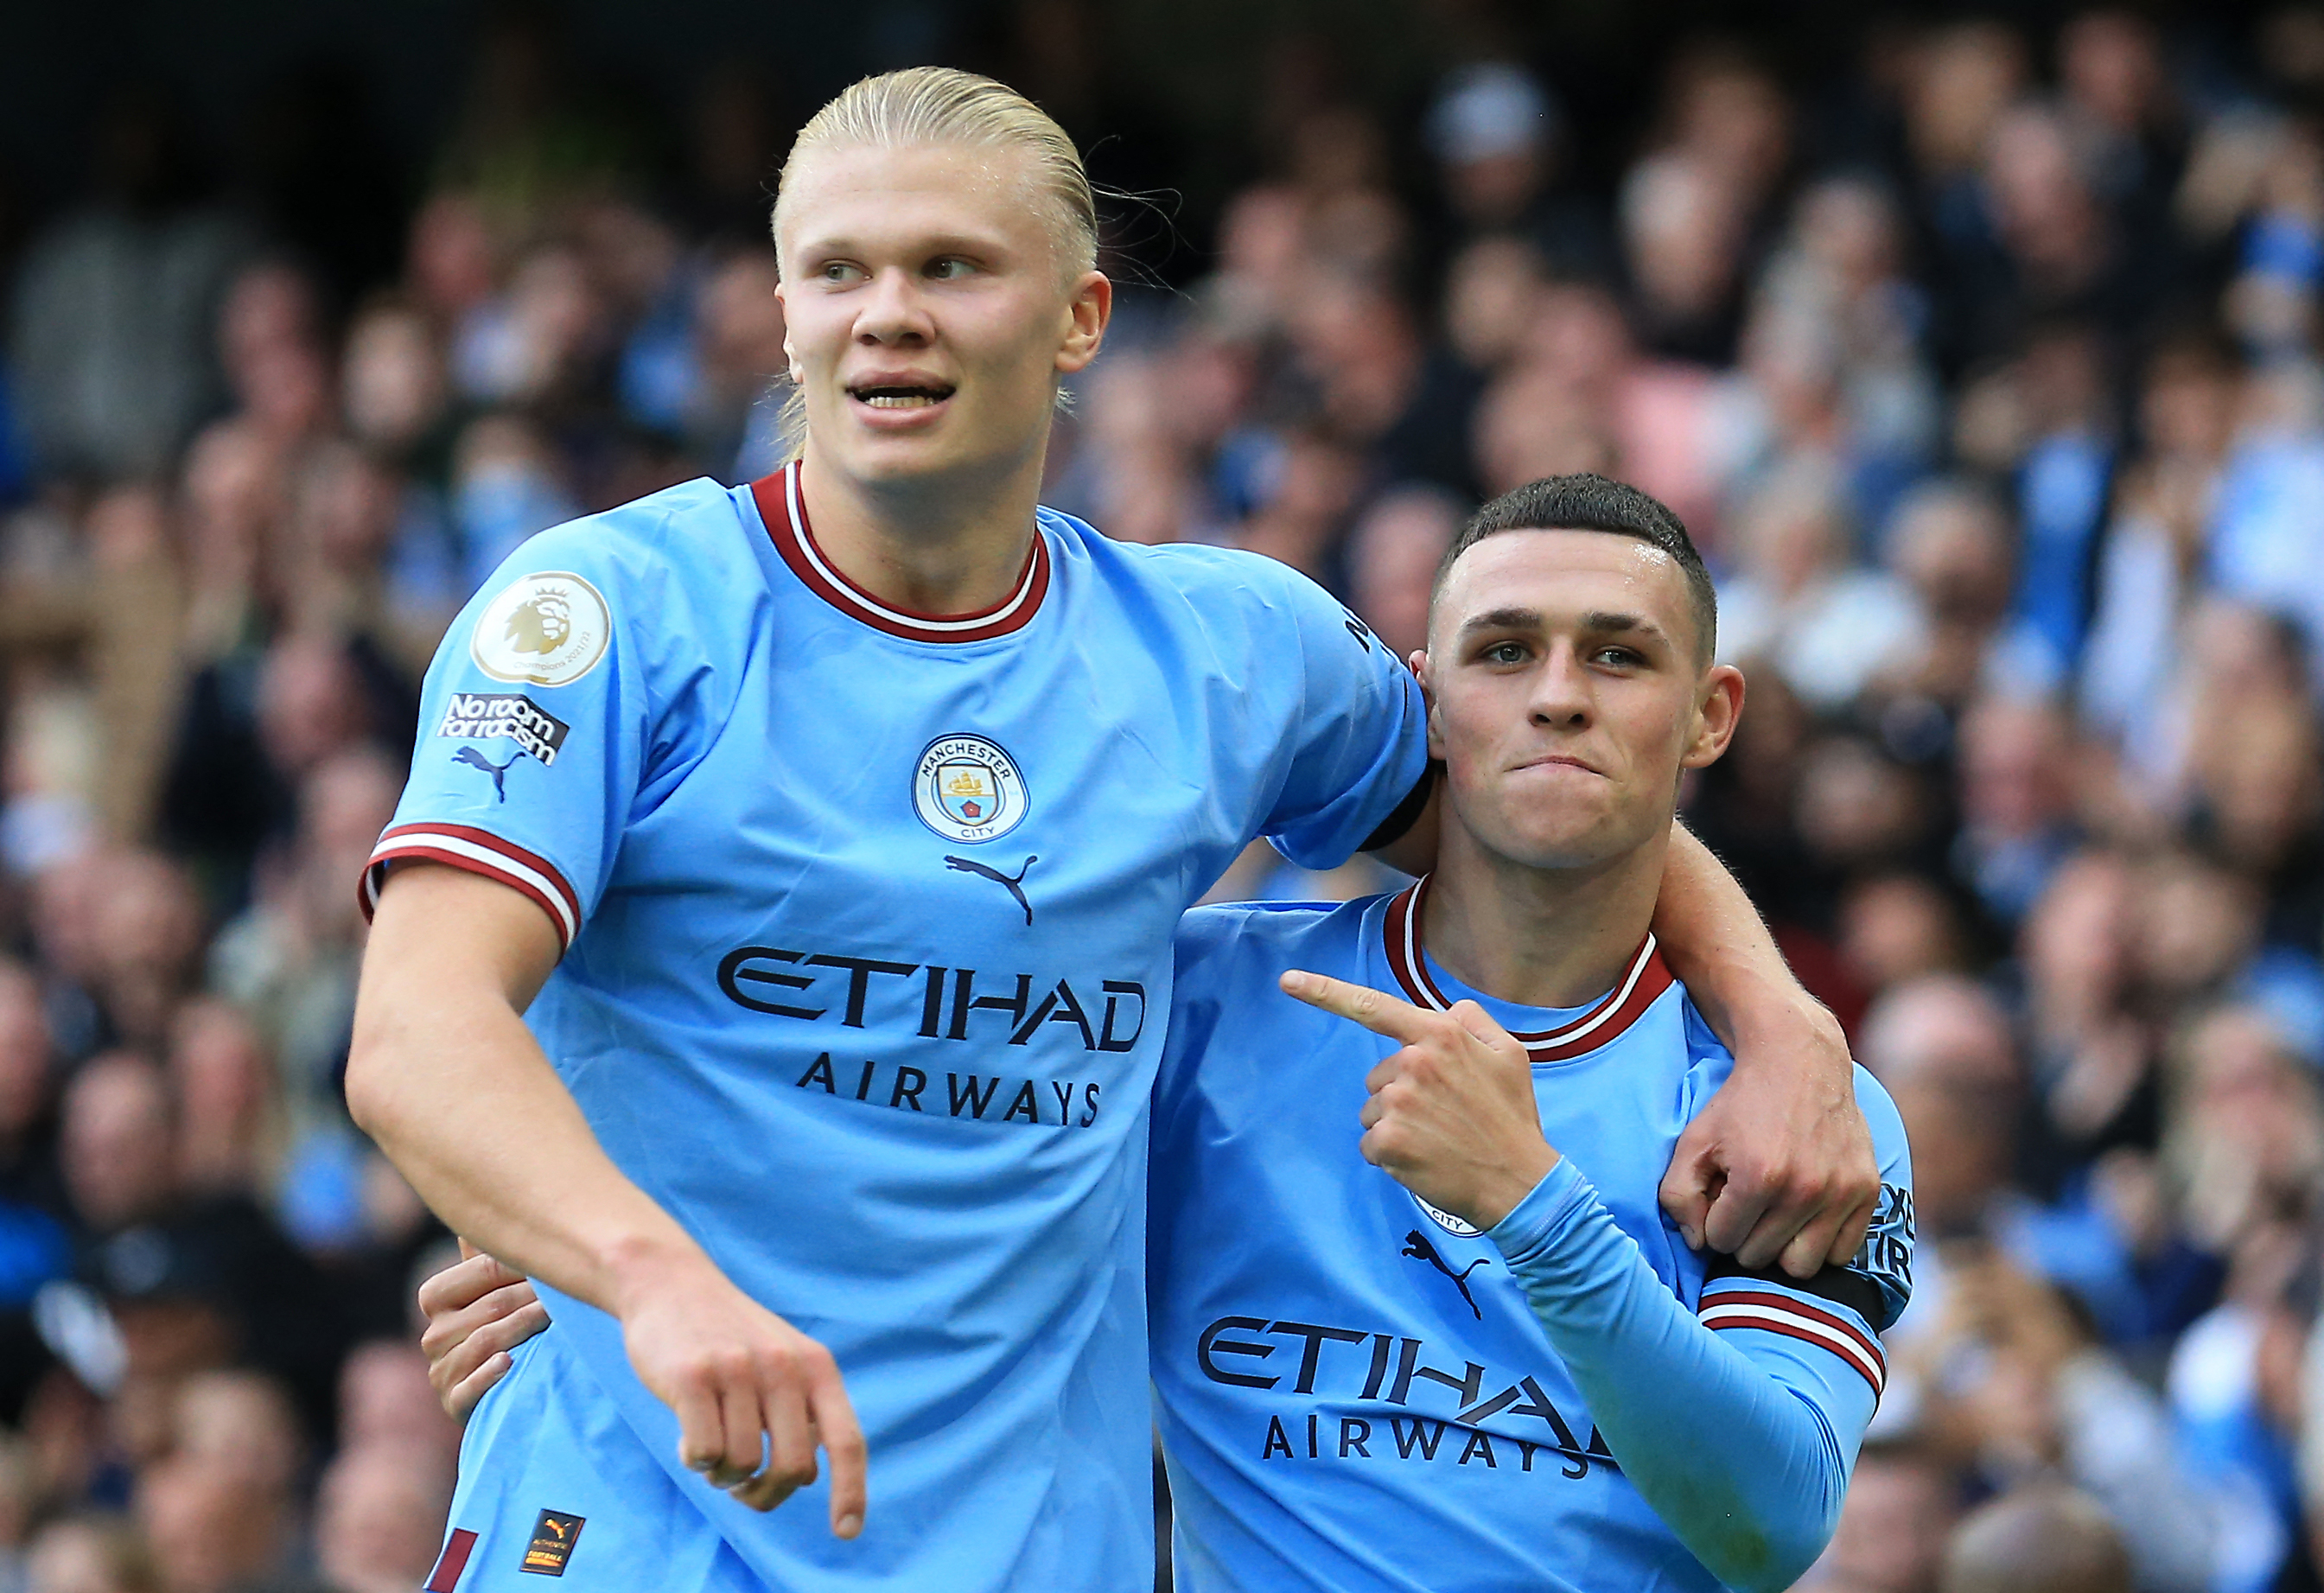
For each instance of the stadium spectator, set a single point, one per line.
(1799, 602)
(1901, 1503)
(376, 1516)
(2038, 1539)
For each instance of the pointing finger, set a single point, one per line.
(463, 1284)
(1382, 1013)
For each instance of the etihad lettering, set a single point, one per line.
(983, 1098)
(939, 1003)
(1388, 1369)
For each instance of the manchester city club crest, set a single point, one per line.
(967, 788)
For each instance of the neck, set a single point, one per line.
(951, 545)
(1538, 937)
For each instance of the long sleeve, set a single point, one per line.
(1741, 1440)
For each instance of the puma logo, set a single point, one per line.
(1417, 1246)
(1015, 886)
(499, 771)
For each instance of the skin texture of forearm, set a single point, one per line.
(445, 1077)
(1744, 1467)
(1713, 939)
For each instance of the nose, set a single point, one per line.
(894, 313)
(1561, 693)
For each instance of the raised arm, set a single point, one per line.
(1779, 1163)
(446, 1077)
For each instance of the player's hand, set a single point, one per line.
(477, 1312)
(1779, 1163)
(754, 1397)
(1452, 1115)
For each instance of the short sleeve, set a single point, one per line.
(1360, 741)
(532, 732)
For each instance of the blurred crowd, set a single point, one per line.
(1989, 374)
(1989, 382)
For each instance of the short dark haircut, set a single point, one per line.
(1589, 502)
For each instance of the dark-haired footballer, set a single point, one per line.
(1500, 1365)
(1488, 1359)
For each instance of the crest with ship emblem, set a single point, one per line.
(964, 787)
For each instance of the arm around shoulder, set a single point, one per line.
(1780, 1163)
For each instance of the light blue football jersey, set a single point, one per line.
(1354, 1393)
(868, 920)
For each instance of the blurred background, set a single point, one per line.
(1981, 350)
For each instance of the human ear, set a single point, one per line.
(1717, 711)
(1090, 310)
(1419, 664)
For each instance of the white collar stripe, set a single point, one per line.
(797, 534)
(1416, 963)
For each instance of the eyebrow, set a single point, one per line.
(1606, 622)
(1503, 620)
(1597, 621)
(935, 244)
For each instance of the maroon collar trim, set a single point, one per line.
(1642, 983)
(785, 514)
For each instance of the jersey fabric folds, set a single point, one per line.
(868, 922)
(1360, 1393)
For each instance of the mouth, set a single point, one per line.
(893, 396)
(1557, 760)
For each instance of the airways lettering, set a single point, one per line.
(969, 1095)
(941, 1004)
